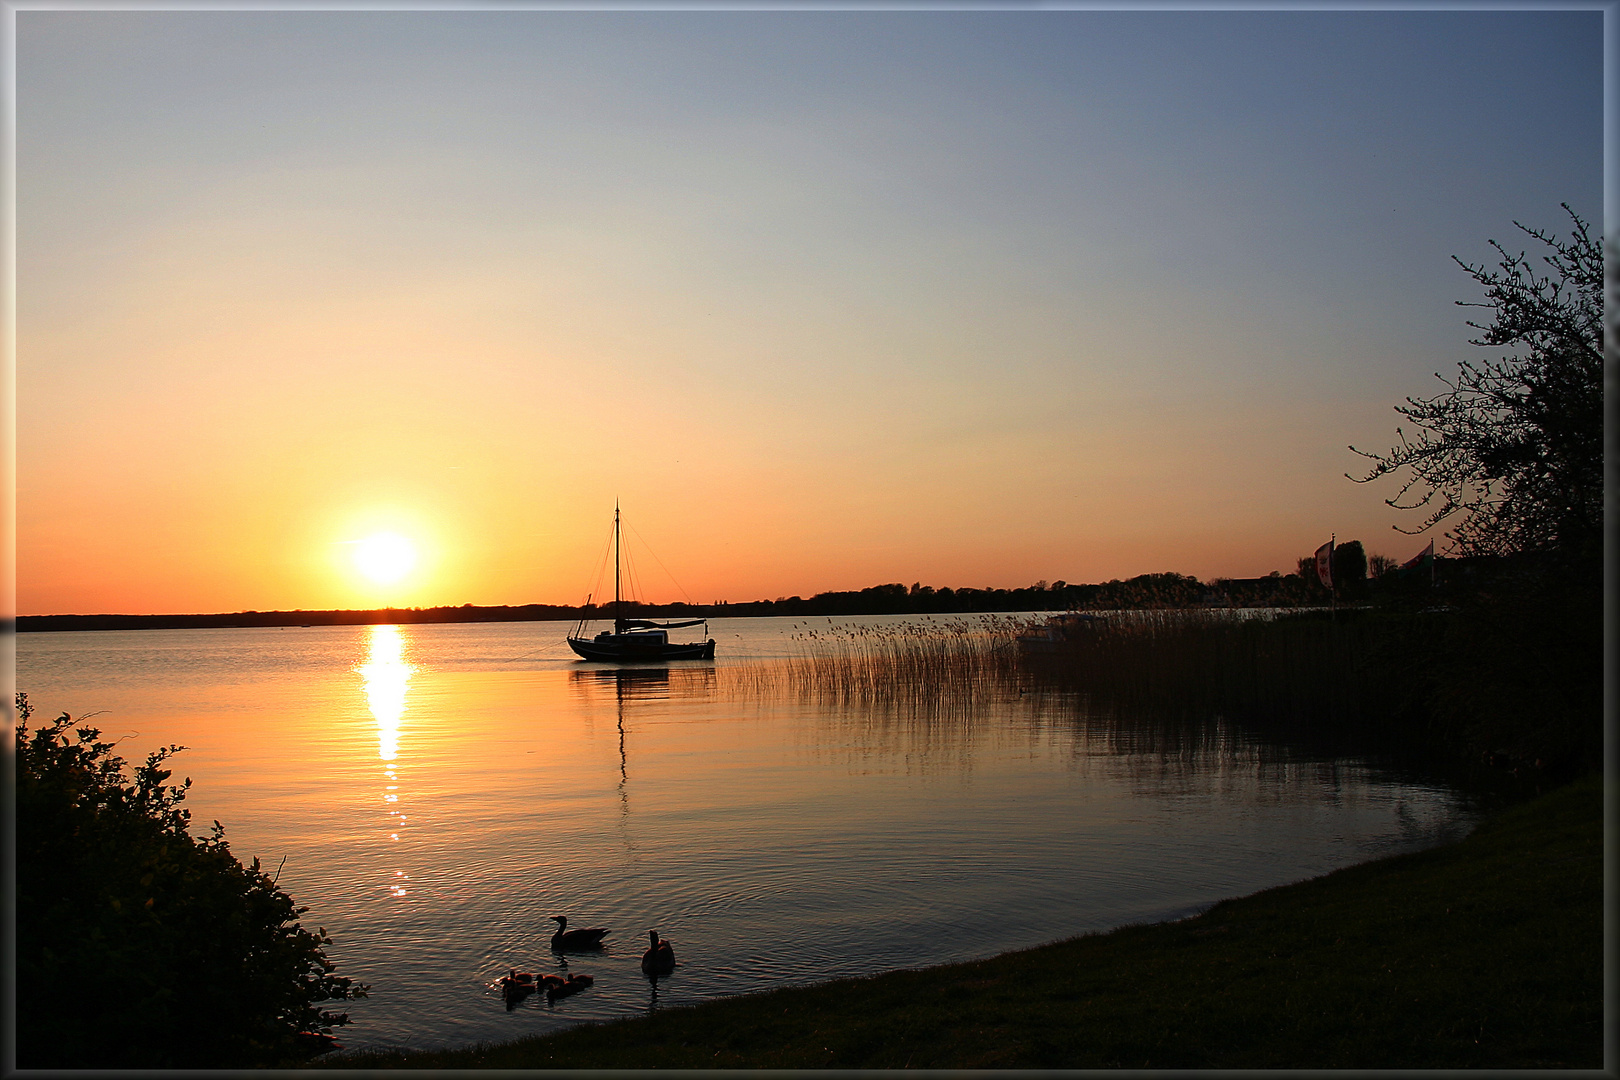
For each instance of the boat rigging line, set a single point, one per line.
(660, 563)
(633, 640)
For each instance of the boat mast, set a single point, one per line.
(618, 612)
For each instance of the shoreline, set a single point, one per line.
(1484, 952)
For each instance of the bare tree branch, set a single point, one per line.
(1512, 450)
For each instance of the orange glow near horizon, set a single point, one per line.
(703, 544)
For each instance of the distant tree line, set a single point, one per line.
(464, 613)
(1144, 590)
(1161, 590)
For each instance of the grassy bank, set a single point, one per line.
(1487, 953)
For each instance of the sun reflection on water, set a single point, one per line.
(387, 674)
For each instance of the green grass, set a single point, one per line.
(1487, 953)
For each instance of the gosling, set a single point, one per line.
(516, 985)
(571, 985)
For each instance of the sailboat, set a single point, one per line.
(633, 640)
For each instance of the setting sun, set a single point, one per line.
(385, 557)
(833, 479)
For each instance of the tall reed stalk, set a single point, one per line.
(926, 665)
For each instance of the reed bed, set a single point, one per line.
(1183, 663)
(1198, 660)
(925, 666)
(1315, 677)
(942, 681)
(1195, 662)
(1173, 678)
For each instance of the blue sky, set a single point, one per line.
(826, 298)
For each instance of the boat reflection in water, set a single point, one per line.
(644, 683)
(641, 684)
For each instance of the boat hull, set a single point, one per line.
(1061, 633)
(617, 652)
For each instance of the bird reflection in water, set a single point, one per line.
(387, 675)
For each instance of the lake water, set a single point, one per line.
(435, 793)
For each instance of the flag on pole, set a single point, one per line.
(1426, 555)
(1324, 564)
(1418, 562)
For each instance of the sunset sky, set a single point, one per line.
(824, 298)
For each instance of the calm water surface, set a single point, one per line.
(435, 793)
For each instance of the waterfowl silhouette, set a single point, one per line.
(565, 938)
(571, 985)
(517, 985)
(658, 960)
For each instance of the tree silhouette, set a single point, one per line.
(1512, 450)
(1350, 568)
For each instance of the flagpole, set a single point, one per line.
(1333, 581)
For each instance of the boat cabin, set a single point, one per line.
(648, 638)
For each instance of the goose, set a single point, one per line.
(658, 960)
(565, 938)
(571, 985)
(516, 985)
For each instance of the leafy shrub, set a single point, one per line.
(139, 945)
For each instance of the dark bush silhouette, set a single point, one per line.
(139, 945)
(1350, 569)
